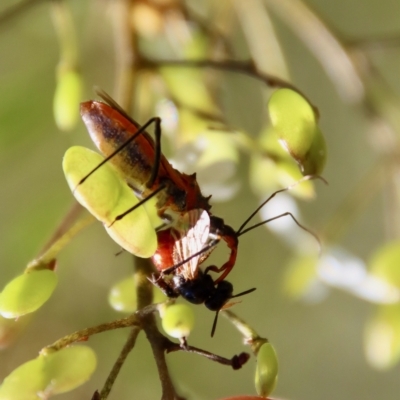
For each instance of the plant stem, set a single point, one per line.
(84, 334)
(59, 240)
(129, 345)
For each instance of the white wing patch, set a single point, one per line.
(191, 235)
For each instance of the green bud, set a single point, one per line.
(314, 161)
(26, 293)
(295, 122)
(100, 192)
(68, 368)
(385, 263)
(49, 374)
(178, 320)
(122, 296)
(25, 382)
(66, 98)
(266, 370)
(382, 337)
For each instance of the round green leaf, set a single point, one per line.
(122, 296)
(382, 337)
(267, 176)
(385, 263)
(266, 370)
(314, 161)
(294, 120)
(178, 320)
(106, 195)
(135, 232)
(24, 383)
(66, 99)
(26, 293)
(68, 368)
(100, 192)
(273, 168)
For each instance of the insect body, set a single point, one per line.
(139, 159)
(190, 246)
(185, 247)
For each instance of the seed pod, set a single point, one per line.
(178, 320)
(26, 293)
(266, 370)
(66, 98)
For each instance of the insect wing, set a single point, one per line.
(193, 234)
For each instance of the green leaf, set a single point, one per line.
(314, 161)
(122, 296)
(66, 99)
(106, 195)
(382, 337)
(135, 232)
(25, 382)
(272, 168)
(385, 263)
(267, 176)
(266, 370)
(294, 120)
(26, 293)
(49, 374)
(100, 192)
(178, 320)
(68, 368)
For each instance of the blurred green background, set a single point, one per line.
(319, 344)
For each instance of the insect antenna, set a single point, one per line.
(214, 326)
(305, 178)
(242, 230)
(280, 216)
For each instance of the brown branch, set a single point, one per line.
(236, 362)
(158, 342)
(84, 334)
(243, 67)
(129, 345)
